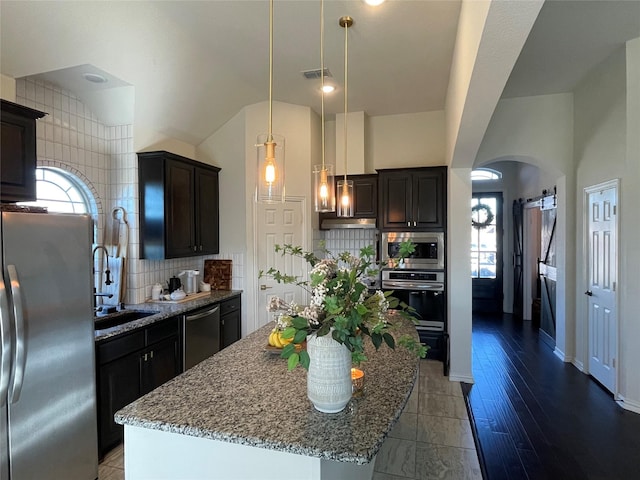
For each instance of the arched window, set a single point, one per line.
(59, 192)
(483, 174)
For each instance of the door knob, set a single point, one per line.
(589, 292)
(264, 287)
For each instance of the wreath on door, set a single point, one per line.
(488, 215)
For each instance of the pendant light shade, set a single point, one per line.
(325, 199)
(344, 206)
(270, 186)
(345, 187)
(324, 188)
(270, 168)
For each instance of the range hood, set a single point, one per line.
(333, 223)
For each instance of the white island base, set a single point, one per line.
(156, 455)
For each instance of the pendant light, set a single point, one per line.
(270, 187)
(325, 199)
(345, 187)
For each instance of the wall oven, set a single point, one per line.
(425, 291)
(429, 252)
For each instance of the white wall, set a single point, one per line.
(147, 140)
(7, 88)
(630, 300)
(409, 140)
(606, 130)
(539, 128)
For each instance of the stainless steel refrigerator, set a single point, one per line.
(47, 370)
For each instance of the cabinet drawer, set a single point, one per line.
(229, 306)
(161, 330)
(120, 346)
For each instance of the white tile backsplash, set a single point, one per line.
(349, 240)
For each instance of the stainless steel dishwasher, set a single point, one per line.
(201, 335)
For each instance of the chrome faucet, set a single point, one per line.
(107, 272)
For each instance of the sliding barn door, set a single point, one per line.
(548, 272)
(518, 243)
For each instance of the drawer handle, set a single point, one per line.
(206, 313)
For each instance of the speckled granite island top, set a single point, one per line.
(245, 395)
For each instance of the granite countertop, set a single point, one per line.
(245, 395)
(163, 310)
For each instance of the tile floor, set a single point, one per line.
(112, 465)
(432, 439)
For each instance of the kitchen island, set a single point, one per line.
(241, 415)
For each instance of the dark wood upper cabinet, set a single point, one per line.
(179, 206)
(365, 193)
(413, 199)
(18, 152)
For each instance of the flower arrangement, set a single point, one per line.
(340, 303)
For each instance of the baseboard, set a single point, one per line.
(561, 355)
(630, 405)
(461, 378)
(578, 364)
(474, 430)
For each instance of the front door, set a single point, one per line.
(601, 292)
(279, 223)
(486, 252)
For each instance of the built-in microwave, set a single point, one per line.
(429, 252)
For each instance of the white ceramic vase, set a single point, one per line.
(329, 377)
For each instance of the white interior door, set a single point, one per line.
(279, 223)
(602, 272)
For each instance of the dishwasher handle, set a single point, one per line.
(199, 315)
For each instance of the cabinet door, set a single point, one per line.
(118, 386)
(230, 328)
(18, 152)
(207, 214)
(365, 192)
(160, 363)
(428, 211)
(179, 209)
(395, 200)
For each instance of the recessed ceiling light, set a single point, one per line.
(94, 78)
(373, 3)
(328, 88)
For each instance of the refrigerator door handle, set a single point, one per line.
(5, 342)
(20, 354)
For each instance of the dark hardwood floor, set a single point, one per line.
(536, 417)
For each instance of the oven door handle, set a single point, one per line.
(435, 287)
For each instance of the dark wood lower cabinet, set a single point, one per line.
(229, 322)
(134, 363)
(119, 385)
(129, 366)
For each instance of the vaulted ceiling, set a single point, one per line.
(184, 68)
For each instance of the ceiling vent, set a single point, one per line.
(314, 74)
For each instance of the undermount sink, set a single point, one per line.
(120, 318)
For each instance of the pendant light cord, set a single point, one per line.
(270, 135)
(322, 75)
(346, 90)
